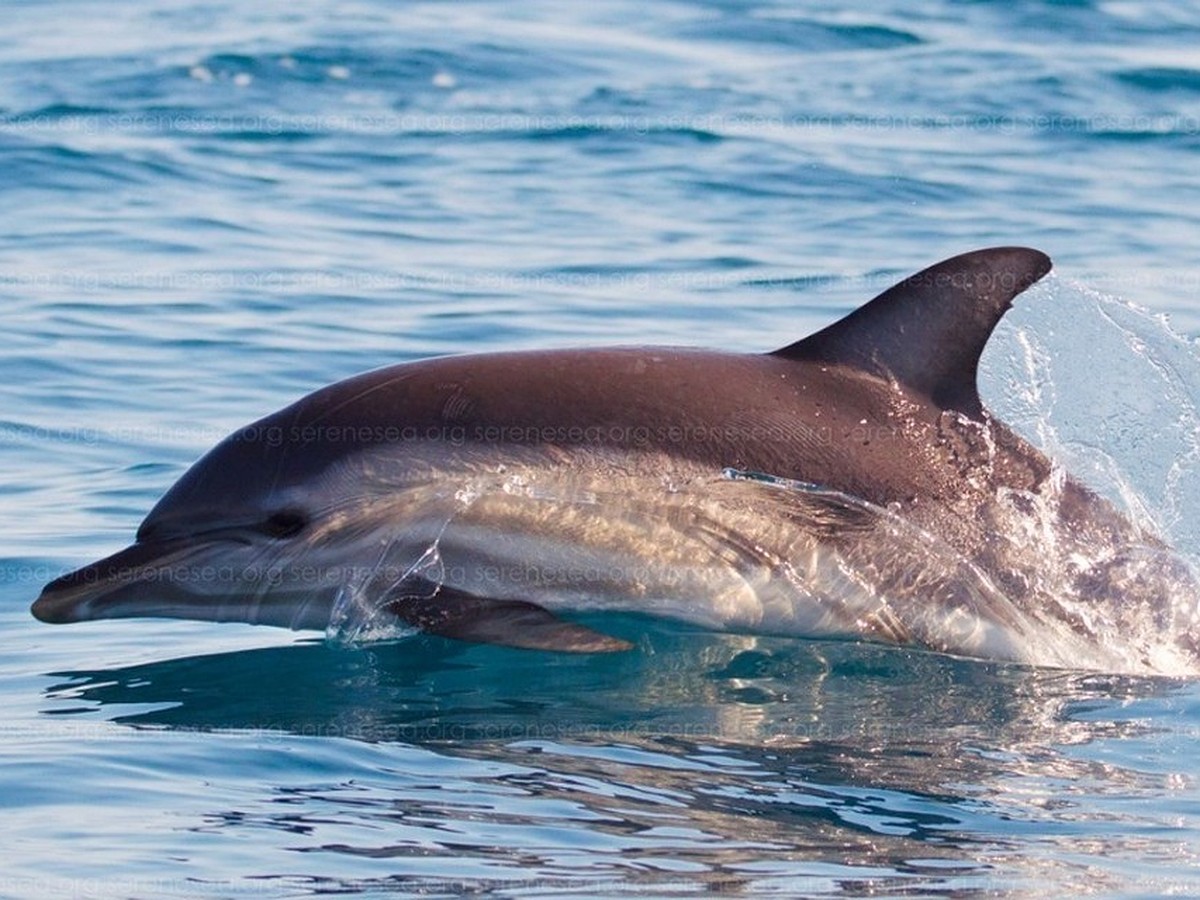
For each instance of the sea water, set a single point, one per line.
(211, 209)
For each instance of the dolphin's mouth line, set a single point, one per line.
(81, 594)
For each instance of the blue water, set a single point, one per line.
(210, 210)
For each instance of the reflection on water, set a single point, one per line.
(722, 761)
(679, 683)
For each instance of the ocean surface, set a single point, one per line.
(211, 209)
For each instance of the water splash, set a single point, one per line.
(1110, 391)
(359, 613)
(1113, 397)
(404, 569)
(1091, 607)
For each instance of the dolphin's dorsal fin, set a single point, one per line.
(928, 331)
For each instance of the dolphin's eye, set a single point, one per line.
(285, 524)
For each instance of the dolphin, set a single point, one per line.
(848, 485)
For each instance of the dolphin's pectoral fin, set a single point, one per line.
(456, 614)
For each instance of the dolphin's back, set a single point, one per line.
(857, 407)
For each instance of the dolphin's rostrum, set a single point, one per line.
(851, 484)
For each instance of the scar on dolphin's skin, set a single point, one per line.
(850, 484)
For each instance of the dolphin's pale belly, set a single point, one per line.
(732, 552)
(739, 552)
